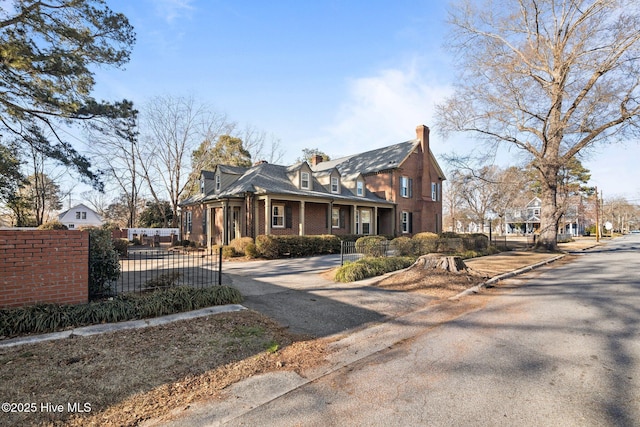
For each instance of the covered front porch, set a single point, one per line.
(289, 216)
(225, 220)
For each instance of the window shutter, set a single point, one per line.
(288, 214)
(410, 188)
(410, 222)
(342, 224)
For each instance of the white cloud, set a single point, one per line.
(171, 10)
(380, 110)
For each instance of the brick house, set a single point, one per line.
(394, 190)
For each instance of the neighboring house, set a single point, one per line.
(527, 220)
(80, 216)
(394, 190)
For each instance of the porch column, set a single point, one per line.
(267, 215)
(209, 231)
(330, 217)
(394, 220)
(375, 220)
(301, 225)
(225, 216)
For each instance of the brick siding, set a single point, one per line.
(43, 266)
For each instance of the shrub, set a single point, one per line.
(136, 242)
(449, 235)
(372, 245)
(251, 250)
(371, 267)
(267, 246)
(164, 280)
(425, 243)
(240, 244)
(404, 246)
(477, 241)
(52, 225)
(54, 317)
(272, 247)
(228, 252)
(104, 266)
(425, 235)
(121, 246)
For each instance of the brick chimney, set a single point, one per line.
(422, 134)
(315, 159)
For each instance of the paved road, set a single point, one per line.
(558, 347)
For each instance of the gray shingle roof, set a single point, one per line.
(268, 178)
(377, 160)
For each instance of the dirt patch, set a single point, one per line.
(129, 376)
(504, 262)
(438, 284)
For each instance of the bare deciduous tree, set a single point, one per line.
(114, 148)
(551, 78)
(172, 128)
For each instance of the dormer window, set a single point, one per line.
(305, 180)
(359, 188)
(335, 185)
(217, 182)
(202, 186)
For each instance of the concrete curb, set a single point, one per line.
(121, 326)
(495, 279)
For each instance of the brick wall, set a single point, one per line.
(316, 218)
(43, 266)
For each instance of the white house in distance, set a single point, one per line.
(80, 216)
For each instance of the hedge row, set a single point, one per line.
(424, 243)
(272, 247)
(54, 317)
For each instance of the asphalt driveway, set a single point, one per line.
(294, 292)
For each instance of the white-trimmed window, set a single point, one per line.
(277, 216)
(365, 221)
(406, 187)
(434, 191)
(71, 226)
(359, 188)
(406, 222)
(305, 180)
(188, 222)
(202, 186)
(335, 185)
(335, 218)
(218, 182)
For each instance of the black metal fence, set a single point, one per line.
(150, 269)
(350, 251)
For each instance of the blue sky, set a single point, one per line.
(341, 76)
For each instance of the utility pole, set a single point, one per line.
(597, 217)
